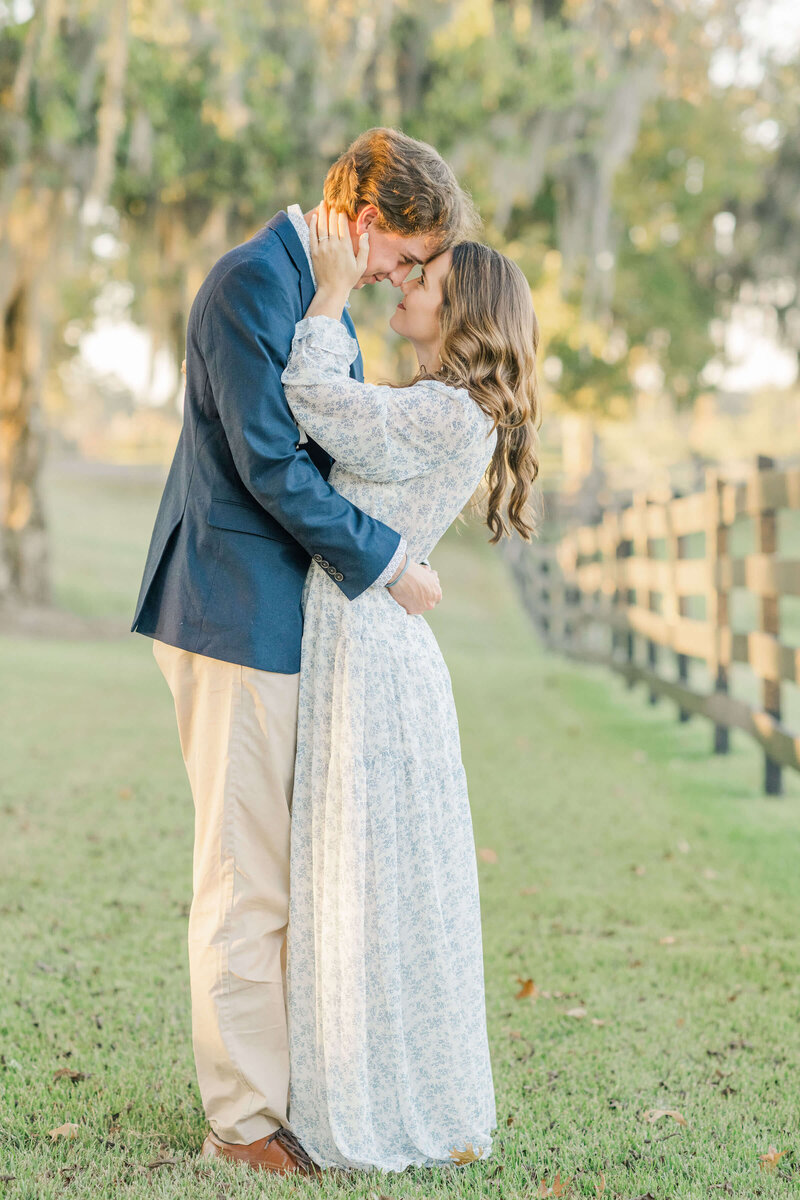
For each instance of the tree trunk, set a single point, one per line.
(24, 563)
(29, 252)
(34, 248)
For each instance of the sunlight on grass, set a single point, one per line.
(634, 876)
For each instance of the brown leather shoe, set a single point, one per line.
(279, 1152)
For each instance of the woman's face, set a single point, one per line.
(417, 315)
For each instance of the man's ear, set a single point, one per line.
(365, 217)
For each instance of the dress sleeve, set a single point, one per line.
(244, 335)
(373, 430)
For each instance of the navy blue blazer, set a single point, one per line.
(245, 507)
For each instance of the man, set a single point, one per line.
(245, 508)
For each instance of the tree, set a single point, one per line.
(61, 76)
(588, 131)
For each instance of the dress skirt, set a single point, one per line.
(387, 1021)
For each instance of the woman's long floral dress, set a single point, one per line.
(387, 1021)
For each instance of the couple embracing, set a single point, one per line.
(338, 1011)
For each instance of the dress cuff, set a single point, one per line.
(327, 334)
(393, 565)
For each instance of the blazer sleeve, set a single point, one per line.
(246, 334)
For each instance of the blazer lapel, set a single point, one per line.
(285, 230)
(357, 366)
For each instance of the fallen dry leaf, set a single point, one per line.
(66, 1073)
(601, 1186)
(561, 1187)
(575, 1012)
(669, 940)
(69, 1130)
(527, 990)
(639, 870)
(655, 1114)
(684, 847)
(466, 1156)
(486, 855)
(528, 891)
(770, 1160)
(709, 873)
(596, 1021)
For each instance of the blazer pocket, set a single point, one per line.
(230, 514)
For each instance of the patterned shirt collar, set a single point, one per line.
(295, 215)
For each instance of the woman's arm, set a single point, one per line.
(244, 336)
(373, 430)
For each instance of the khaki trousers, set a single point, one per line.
(238, 733)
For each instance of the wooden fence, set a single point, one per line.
(633, 593)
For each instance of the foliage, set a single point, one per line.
(142, 138)
(572, 124)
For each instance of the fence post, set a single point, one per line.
(564, 565)
(608, 541)
(717, 613)
(674, 604)
(625, 550)
(558, 600)
(544, 572)
(641, 548)
(533, 589)
(769, 623)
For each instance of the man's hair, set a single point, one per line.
(412, 187)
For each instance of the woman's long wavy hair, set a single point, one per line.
(490, 336)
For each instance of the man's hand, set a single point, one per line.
(418, 590)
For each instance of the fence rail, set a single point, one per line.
(626, 592)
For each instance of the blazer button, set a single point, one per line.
(323, 563)
(338, 575)
(317, 558)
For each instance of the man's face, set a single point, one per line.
(391, 256)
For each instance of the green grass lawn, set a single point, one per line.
(636, 878)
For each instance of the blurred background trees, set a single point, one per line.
(639, 158)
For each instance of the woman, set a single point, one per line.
(387, 1025)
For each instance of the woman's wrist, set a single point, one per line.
(402, 571)
(328, 302)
